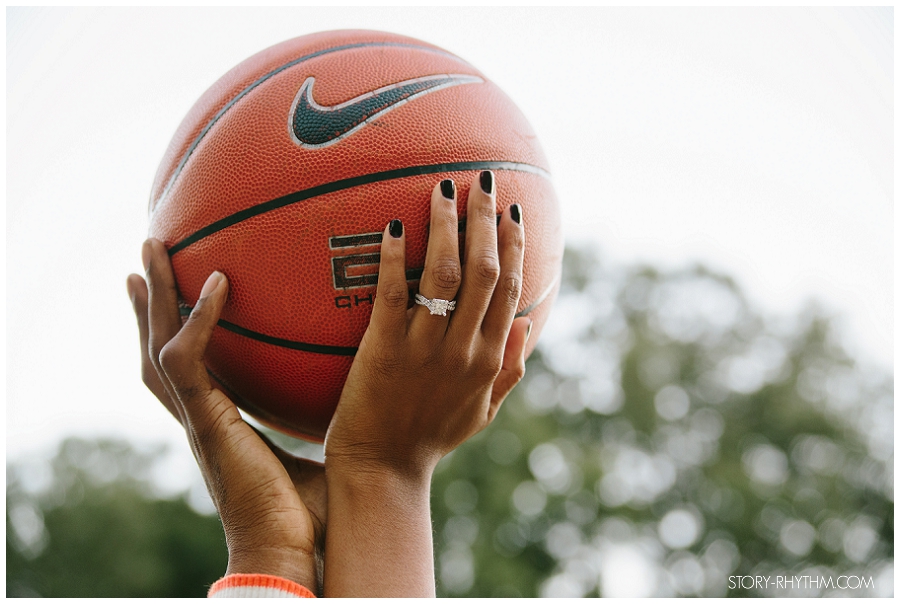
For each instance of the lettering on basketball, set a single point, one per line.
(351, 301)
(359, 268)
(314, 126)
(355, 263)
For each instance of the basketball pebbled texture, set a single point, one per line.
(283, 176)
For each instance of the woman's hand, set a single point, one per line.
(272, 505)
(420, 385)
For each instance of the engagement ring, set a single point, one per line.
(436, 306)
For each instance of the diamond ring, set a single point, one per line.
(436, 306)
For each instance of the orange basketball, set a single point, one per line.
(284, 175)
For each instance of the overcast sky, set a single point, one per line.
(756, 141)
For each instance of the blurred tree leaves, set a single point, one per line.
(95, 529)
(666, 436)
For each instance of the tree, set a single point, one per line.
(667, 437)
(95, 528)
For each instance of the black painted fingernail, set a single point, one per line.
(487, 181)
(395, 228)
(516, 213)
(448, 189)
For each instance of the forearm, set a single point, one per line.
(378, 542)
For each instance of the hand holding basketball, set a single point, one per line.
(421, 383)
(272, 504)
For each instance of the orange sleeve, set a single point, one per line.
(257, 586)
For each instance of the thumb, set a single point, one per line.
(182, 357)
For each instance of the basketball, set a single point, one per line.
(284, 175)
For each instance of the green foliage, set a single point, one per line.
(96, 530)
(666, 437)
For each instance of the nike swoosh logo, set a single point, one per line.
(315, 126)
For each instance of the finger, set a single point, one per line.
(442, 274)
(182, 358)
(137, 291)
(513, 368)
(388, 322)
(482, 265)
(211, 420)
(505, 300)
(164, 316)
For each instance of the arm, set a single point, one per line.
(420, 385)
(272, 504)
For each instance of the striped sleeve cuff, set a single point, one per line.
(257, 586)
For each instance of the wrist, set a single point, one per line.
(363, 470)
(377, 477)
(359, 458)
(294, 564)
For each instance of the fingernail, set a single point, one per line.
(516, 213)
(487, 182)
(211, 283)
(396, 229)
(528, 333)
(145, 255)
(448, 189)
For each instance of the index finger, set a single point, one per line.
(389, 318)
(137, 291)
(164, 316)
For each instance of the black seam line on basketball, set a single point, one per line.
(525, 311)
(343, 351)
(271, 74)
(347, 183)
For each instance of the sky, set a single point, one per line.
(758, 142)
